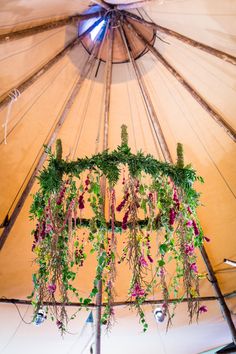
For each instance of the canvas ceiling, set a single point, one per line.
(207, 146)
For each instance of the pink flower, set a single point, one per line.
(52, 288)
(193, 267)
(48, 228)
(189, 223)
(202, 309)
(189, 210)
(189, 249)
(142, 261)
(137, 291)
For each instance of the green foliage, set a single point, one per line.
(60, 246)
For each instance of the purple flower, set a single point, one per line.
(189, 210)
(52, 288)
(59, 324)
(172, 216)
(202, 309)
(137, 291)
(189, 249)
(206, 239)
(176, 199)
(195, 228)
(125, 219)
(150, 258)
(193, 267)
(48, 228)
(162, 271)
(142, 261)
(81, 201)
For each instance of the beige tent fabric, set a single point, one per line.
(207, 146)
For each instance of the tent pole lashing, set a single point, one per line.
(108, 78)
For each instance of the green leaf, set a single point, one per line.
(163, 248)
(161, 262)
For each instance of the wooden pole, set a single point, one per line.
(154, 119)
(5, 99)
(204, 47)
(21, 33)
(115, 304)
(205, 105)
(103, 181)
(28, 82)
(87, 67)
(224, 308)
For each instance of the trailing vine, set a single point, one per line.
(157, 201)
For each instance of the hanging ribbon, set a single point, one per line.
(13, 96)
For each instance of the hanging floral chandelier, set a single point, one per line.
(158, 200)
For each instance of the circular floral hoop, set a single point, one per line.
(157, 198)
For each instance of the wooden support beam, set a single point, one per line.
(154, 119)
(220, 297)
(108, 78)
(86, 69)
(21, 33)
(5, 99)
(204, 47)
(115, 304)
(203, 103)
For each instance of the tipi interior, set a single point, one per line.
(78, 70)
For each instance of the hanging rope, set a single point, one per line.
(14, 95)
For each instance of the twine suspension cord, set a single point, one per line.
(44, 89)
(137, 110)
(40, 150)
(148, 115)
(153, 118)
(150, 84)
(14, 95)
(103, 91)
(197, 135)
(92, 55)
(84, 113)
(131, 114)
(149, 18)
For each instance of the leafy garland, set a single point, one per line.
(158, 198)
